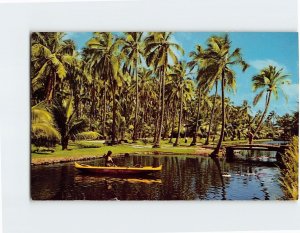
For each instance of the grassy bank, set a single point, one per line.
(83, 150)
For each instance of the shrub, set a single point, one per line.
(89, 135)
(289, 179)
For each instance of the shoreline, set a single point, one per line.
(48, 161)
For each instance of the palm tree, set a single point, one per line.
(218, 63)
(158, 48)
(184, 86)
(212, 113)
(105, 60)
(206, 80)
(49, 54)
(132, 49)
(269, 81)
(43, 131)
(65, 120)
(197, 59)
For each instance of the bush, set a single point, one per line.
(89, 135)
(289, 179)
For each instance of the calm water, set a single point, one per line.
(182, 178)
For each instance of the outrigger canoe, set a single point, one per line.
(117, 170)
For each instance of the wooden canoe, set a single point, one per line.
(117, 170)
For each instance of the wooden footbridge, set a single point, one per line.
(280, 149)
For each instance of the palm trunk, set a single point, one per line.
(166, 125)
(64, 142)
(50, 88)
(136, 103)
(157, 144)
(193, 143)
(215, 153)
(113, 135)
(268, 97)
(158, 110)
(180, 118)
(211, 115)
(173, 122)
(104, 112)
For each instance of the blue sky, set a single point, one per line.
(259, 49)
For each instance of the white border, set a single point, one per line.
(20, 215)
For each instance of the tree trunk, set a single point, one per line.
(64, 142)
(193, 143)
(268, 97)
(104, 112)
(158, 110)
(215, 153)
(134, 138)
(50, 89)
(157, 143)
(173, 122)
(211, 115)
(113, 135)
(166, 128)
(180, 118)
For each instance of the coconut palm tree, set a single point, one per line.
(197, 57)
(43, 130)
(158, 48)
(218, 63)
(184, 87)
(49, 54)
(269, 81)
(106, 61)
(65, 120)
(132, 48)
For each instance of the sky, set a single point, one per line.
(259, 49)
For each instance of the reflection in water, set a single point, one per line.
(217, 162)
(182, 178)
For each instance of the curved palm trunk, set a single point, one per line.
(157, 144)
(215, 153)
(211, 115)
(268, 97)
(180, 118)
(134, 138)
(193, 143)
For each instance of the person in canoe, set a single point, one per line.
(108, 160)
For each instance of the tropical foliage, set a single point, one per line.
(289, 179)
(134, 85)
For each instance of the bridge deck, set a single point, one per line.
(255, 147)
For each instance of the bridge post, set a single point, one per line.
(229, 154)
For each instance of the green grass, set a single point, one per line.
(81, 149)
(77, 149)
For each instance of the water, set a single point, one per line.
(182, 178)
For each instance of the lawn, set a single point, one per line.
(90, 149)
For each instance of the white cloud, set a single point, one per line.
(260, 64)
(292, 91)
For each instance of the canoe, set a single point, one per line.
(117, 170)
